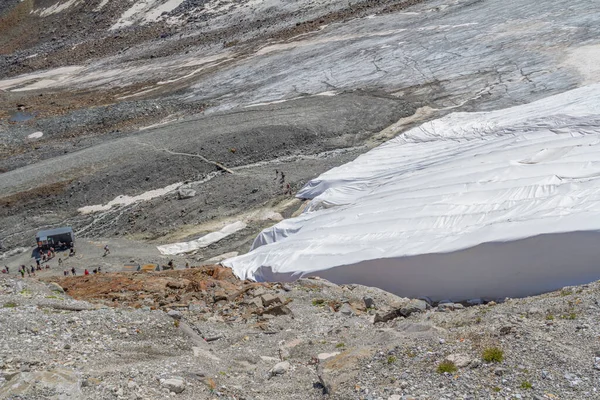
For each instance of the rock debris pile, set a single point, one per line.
(201, 333)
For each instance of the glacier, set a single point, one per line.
(489, 205)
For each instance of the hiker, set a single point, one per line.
(95, 271)
(60, 262)
(32, 270)
(99, 269)
(106, 250)
(187, 265)
(282, 179)
(73, 270)
(7, 270)
(170, 264)
(86, 272)
(65, 273)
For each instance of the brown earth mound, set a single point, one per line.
(167, 289)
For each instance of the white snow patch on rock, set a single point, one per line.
(35, 135)
(126, 200)
(59, 6)
(586, 60)
(101, 5)
(145, 11)
(472, 205)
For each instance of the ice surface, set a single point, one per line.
(491, 204)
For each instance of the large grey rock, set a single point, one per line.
(345, 309)
(269, 299)
(55, 287)
(414, 306)
(280, 368)
(185, 192)
(176, 385)
(460, 360)
(342, 369)
(64, 382)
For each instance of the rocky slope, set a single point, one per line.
(201, 333)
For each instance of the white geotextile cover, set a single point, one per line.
(204, 241)
(490, 204)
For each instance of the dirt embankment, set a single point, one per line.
(158, 289)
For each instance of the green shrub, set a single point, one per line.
(391, 359)
(10, 305)
(339, 345)
(493, 354)
(446, 366)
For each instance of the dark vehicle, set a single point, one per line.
(52, 237)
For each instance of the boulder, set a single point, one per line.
(342, 369)
(176, 385)
(460, 360)
(268, 299)
(64, 382)
(414, 306)
(280, 368)
(185, 192)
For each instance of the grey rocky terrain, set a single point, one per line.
(199, 334)
(195, 109)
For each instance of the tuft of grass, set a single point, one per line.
(526, 385)
(493, 354)
(496, 389)
(571, 315)
(566, 292)
(10, 304)
(549, 317)
(391, 359)
(176, 323)
(318, 302)
(339, 345)
(446, 366)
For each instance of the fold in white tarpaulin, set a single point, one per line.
(204, 241)
(491, 204)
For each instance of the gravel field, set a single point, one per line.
(201, 333)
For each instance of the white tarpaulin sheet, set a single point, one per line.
(204, 241)
(491, 204)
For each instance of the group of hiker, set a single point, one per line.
(43, 255)
(85, 272)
